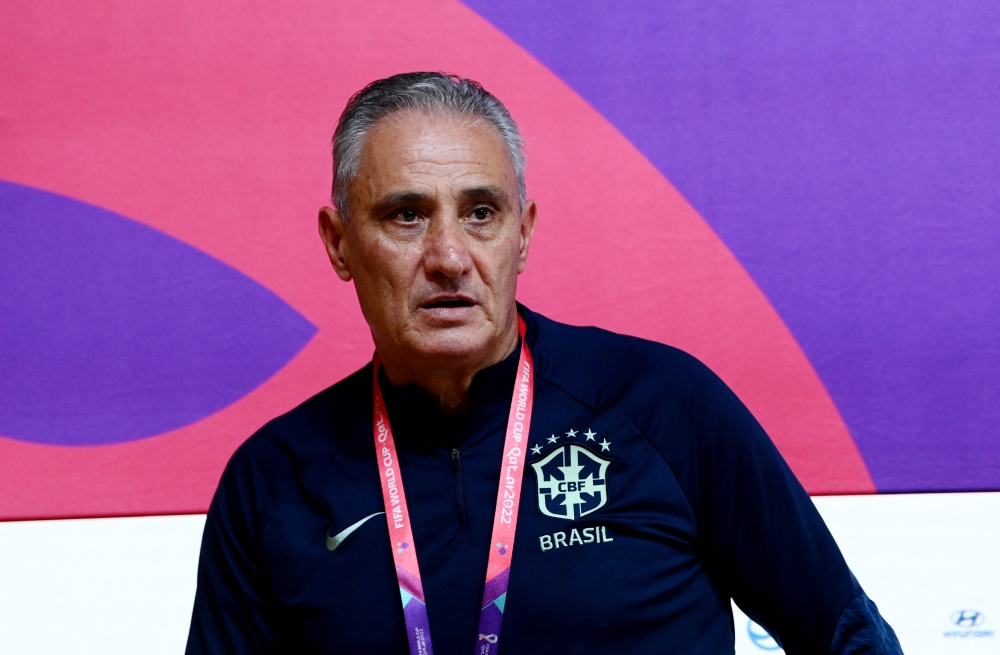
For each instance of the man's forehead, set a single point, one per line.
(413, 137)
(415, 153)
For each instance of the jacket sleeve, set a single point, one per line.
(761, 538)
(233, 610)
(862, 630)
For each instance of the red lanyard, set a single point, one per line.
(404, 552)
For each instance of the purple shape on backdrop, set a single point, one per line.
(848, 155)
(112, 331)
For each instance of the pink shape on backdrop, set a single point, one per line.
(212, 123)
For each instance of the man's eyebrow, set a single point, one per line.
(494, 193)
(399, 198)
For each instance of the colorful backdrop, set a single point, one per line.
(805, 197)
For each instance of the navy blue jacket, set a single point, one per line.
(653, 497)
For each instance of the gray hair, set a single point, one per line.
(428, 92)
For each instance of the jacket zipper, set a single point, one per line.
(456, 469)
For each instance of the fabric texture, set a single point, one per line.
(862, 630)
(651, 498)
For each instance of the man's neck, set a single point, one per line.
(448, 385)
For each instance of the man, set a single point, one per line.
(642, 493)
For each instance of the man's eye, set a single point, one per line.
(481, 213)
(408, 216)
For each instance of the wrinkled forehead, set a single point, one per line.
(410, 146)
(416, 129)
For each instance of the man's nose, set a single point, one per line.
(447, 252)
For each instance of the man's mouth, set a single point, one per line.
(448, 303)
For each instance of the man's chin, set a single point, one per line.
(457, 341)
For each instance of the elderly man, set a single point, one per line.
(383, 515)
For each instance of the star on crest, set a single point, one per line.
(589, 434)
(553, 439)
(570, 433)
(605, 446)
(536, 450)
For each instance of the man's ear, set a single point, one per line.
(332, 230)
(529, 220)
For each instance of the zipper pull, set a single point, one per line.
(455, 465)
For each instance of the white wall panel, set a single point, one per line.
(116, 586)
(921, 558)
(125, 585)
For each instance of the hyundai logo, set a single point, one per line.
(760, 638)
(968, 618)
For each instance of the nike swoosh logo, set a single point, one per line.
(333, 542)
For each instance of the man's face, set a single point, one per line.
(435, 240)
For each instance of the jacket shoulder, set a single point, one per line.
(599, 367)
(267, 465)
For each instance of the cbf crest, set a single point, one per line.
(572, 482)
